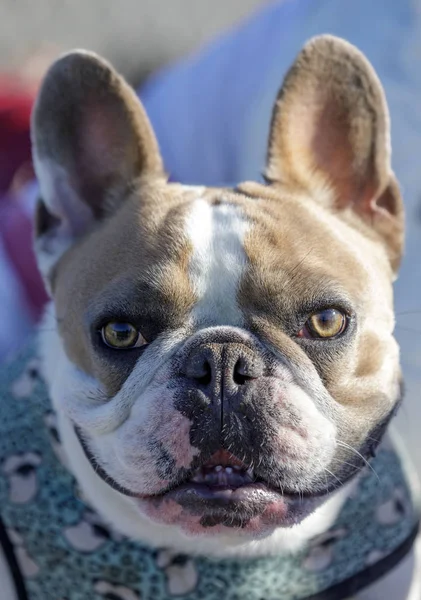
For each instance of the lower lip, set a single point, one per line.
(253, 508)
(198, 494)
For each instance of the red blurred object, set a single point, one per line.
(16, 100)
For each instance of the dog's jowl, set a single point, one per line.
(220, 363)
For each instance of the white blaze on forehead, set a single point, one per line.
(218, 260)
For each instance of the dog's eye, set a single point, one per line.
(122, 336)
(328, 323)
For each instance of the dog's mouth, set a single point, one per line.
(224, 476)
(222, 491)
(226, 492)
(222, 473)
(222, 479)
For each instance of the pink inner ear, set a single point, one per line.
(387, 202)
(105, 140)
(335, 156)
(104, 151)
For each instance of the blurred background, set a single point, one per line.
(138, 36)
(208, 72)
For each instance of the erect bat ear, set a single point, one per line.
(91, 140)
(330, 137)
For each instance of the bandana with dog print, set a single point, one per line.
(58, 548)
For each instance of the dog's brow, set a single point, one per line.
(117, 302)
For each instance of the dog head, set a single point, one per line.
(229, 358)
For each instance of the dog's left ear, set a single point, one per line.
(330, 138)
(92, 142)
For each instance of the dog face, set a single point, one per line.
(229, 353)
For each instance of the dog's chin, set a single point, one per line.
(223, 496)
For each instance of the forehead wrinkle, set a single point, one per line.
(294, 236)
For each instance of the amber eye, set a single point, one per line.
(325, 324)
(121, 336)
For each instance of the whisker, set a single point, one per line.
(299, 263)
(344, 462)
(333, 475)
(348, 447)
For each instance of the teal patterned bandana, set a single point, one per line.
(59, 549)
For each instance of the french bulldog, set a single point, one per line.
(221, 361)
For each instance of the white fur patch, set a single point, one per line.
(48, 250)
(63, 202)
(218, 261)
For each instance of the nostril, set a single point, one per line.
(199, 367)
(200, 370)
(240, 379)
(205, 377)
(241, 373)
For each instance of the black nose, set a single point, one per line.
(222, 369)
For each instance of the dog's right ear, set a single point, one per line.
(91, 139)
